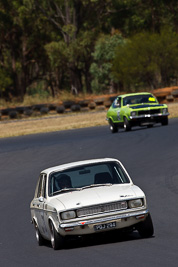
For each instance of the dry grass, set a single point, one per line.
(52, 123)
(61, 122)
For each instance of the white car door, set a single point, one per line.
(39, 202)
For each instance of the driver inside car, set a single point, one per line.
(62, 181)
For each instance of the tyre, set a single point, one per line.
(60, 109)
(145, 228)
(56, 239)
(41, 241)
(127, 125)
(113, 127)
(75, 108)
(164, 121)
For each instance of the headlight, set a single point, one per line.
(133, 113)
(66, 215)
(165, 110)
(136, 203)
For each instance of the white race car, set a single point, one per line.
(87, 197)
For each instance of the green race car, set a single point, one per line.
(138, 109)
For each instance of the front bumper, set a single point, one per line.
(147, 119)
(152, 116)
(87, 226)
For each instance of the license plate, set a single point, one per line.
(104, 226)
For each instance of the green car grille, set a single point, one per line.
(151, 111)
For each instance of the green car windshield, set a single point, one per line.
(139, 99)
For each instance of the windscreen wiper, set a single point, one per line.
(95, 185)
(64, 190)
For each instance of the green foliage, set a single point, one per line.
(103, 56)
(5, 81)
(136, 16)
(37, 90)
(67, 44)
(147, 60)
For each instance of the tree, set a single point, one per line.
(73, 21)
(136, 16)
(147, 60)
(22, 52)
(103, 56)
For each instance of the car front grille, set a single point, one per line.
(110, 207)
(151, 112)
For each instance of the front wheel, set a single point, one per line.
(39, 238)
(56, 239)
(164, 121)
(113, 127)
(127, 125)
(145, 228)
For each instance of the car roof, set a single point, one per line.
(77, 163)
(132, 94)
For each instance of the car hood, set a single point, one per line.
(94, 196)
(145, 106)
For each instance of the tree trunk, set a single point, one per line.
(75, 79)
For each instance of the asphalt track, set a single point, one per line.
(151, 158)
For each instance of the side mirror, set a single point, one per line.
(41, 199)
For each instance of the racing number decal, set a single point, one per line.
(118, 115)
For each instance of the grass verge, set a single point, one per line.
(61, 122)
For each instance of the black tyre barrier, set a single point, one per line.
(20, 110)
(60, 109)
(84, 103)
(44, 110)
(28, 112)
(100, 108)
(52, 107)
(6, 111)
(13, 114)
(38, 107)
(68, 104)
(92, 105)
(107, 103)
(175, 93)
(75, 108)
(170, 98)
(99, 101)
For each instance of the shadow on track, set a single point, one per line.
(98, 239)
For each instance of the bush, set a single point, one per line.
(147, 60)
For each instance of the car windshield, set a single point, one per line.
(87, 176)
(139, 99)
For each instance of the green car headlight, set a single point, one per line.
(164, 110)
(135, 203)
(133, 113)
(67, 215)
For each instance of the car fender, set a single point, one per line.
(125, 113)
(34, 220)
(50, 218)
(110, 119)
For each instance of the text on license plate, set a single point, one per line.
(104, 226)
